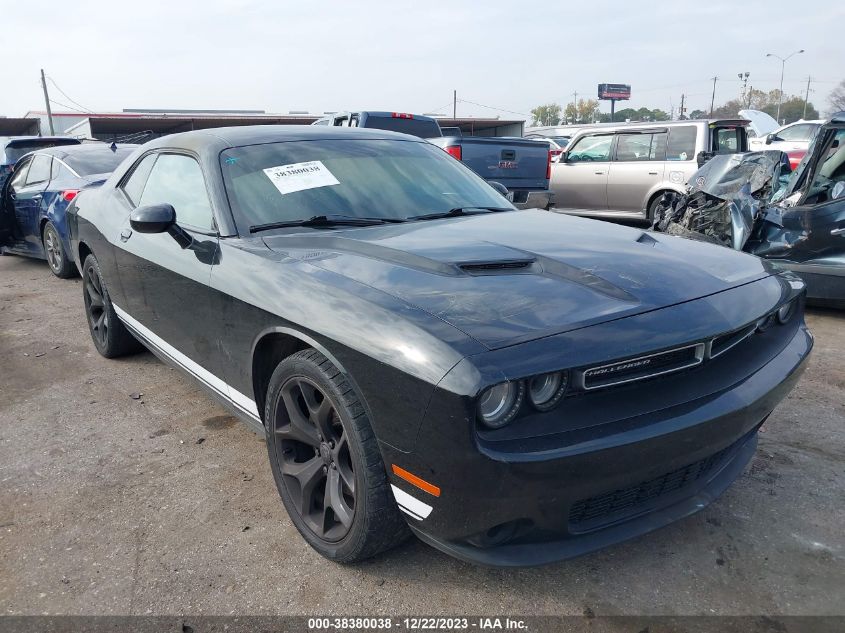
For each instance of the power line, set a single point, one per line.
(53, 81)
(64, 105)
(481, 105)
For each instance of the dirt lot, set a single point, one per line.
(124, 489)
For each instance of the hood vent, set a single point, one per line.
(499, 266)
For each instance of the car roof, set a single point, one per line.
(218, 139)
(64, 151)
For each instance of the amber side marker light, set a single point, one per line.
(411, 478)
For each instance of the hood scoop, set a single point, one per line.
(497, 267)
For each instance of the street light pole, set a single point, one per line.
(783, 61)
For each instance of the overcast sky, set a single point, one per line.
(321, 56)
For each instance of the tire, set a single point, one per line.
(320, 440)
(57, 259)
(652, 207)
(110, 336)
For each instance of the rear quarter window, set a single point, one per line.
(681, 143)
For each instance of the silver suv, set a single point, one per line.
(622, 169)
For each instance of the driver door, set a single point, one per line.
(579, 181)
(165, 288)
(23, 202)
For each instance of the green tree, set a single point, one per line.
(791, 109)
(698, 114)
(548, 114)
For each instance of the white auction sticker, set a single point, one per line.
(300, 176)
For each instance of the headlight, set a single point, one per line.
(544, 391)
(500, 403)
(786, 311)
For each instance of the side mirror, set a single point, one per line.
(499, 187)
(155, 218)
(770, 138)
(159, 218)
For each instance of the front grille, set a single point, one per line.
(612, 506)
(643, 367)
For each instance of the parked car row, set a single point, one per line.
(421, 356)
(424, 358)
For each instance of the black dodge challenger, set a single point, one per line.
(517, 387)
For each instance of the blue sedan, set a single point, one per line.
(38, 191)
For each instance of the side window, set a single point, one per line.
(591, 148)
(726, 140)
(681, 144)
(39, 170)
(20, 175)
(800, 132)
(636, 147)
(134, 187)
(177, 180)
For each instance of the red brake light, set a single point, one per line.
(549, 165)
(795, 157)
(454, 151)
(402, 115)
(69, 194)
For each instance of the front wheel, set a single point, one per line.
(326, 462)
(110, 336)
(57, 259)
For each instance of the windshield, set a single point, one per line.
(390, 179)
(101, 161)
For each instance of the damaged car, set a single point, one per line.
(756, 203)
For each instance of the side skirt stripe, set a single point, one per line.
(236, 397)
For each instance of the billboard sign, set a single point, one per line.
(615, 91)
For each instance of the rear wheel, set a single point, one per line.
(110, 336)
(57, 259)
(326, 462)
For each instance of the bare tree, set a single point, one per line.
(837, 97)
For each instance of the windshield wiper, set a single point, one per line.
(324, 221)
(459, 211)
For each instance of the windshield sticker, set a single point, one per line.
(300, 176)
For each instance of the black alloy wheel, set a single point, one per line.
(110, 336)
(326, 461)
(95, 306)
(315, 460)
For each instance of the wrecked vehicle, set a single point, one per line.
(754, 202)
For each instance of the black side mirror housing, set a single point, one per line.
(155, 218)
(498, 187)
(159, 218)
(770, 138)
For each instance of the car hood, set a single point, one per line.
(505, 278)
(761, 122)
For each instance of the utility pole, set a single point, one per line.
(713, 98)
(454, 104)
(806, 98)
(681, 116)
(47, 103)
(750, 90)
(575, 105)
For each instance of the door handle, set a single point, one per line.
(599, 173)
(838, 231)
(652, 173)
(37, 196)
(125, 234)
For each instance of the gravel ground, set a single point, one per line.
(124, 489)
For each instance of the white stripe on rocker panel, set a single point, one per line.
(201, 372)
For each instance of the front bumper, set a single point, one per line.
(535, 508)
